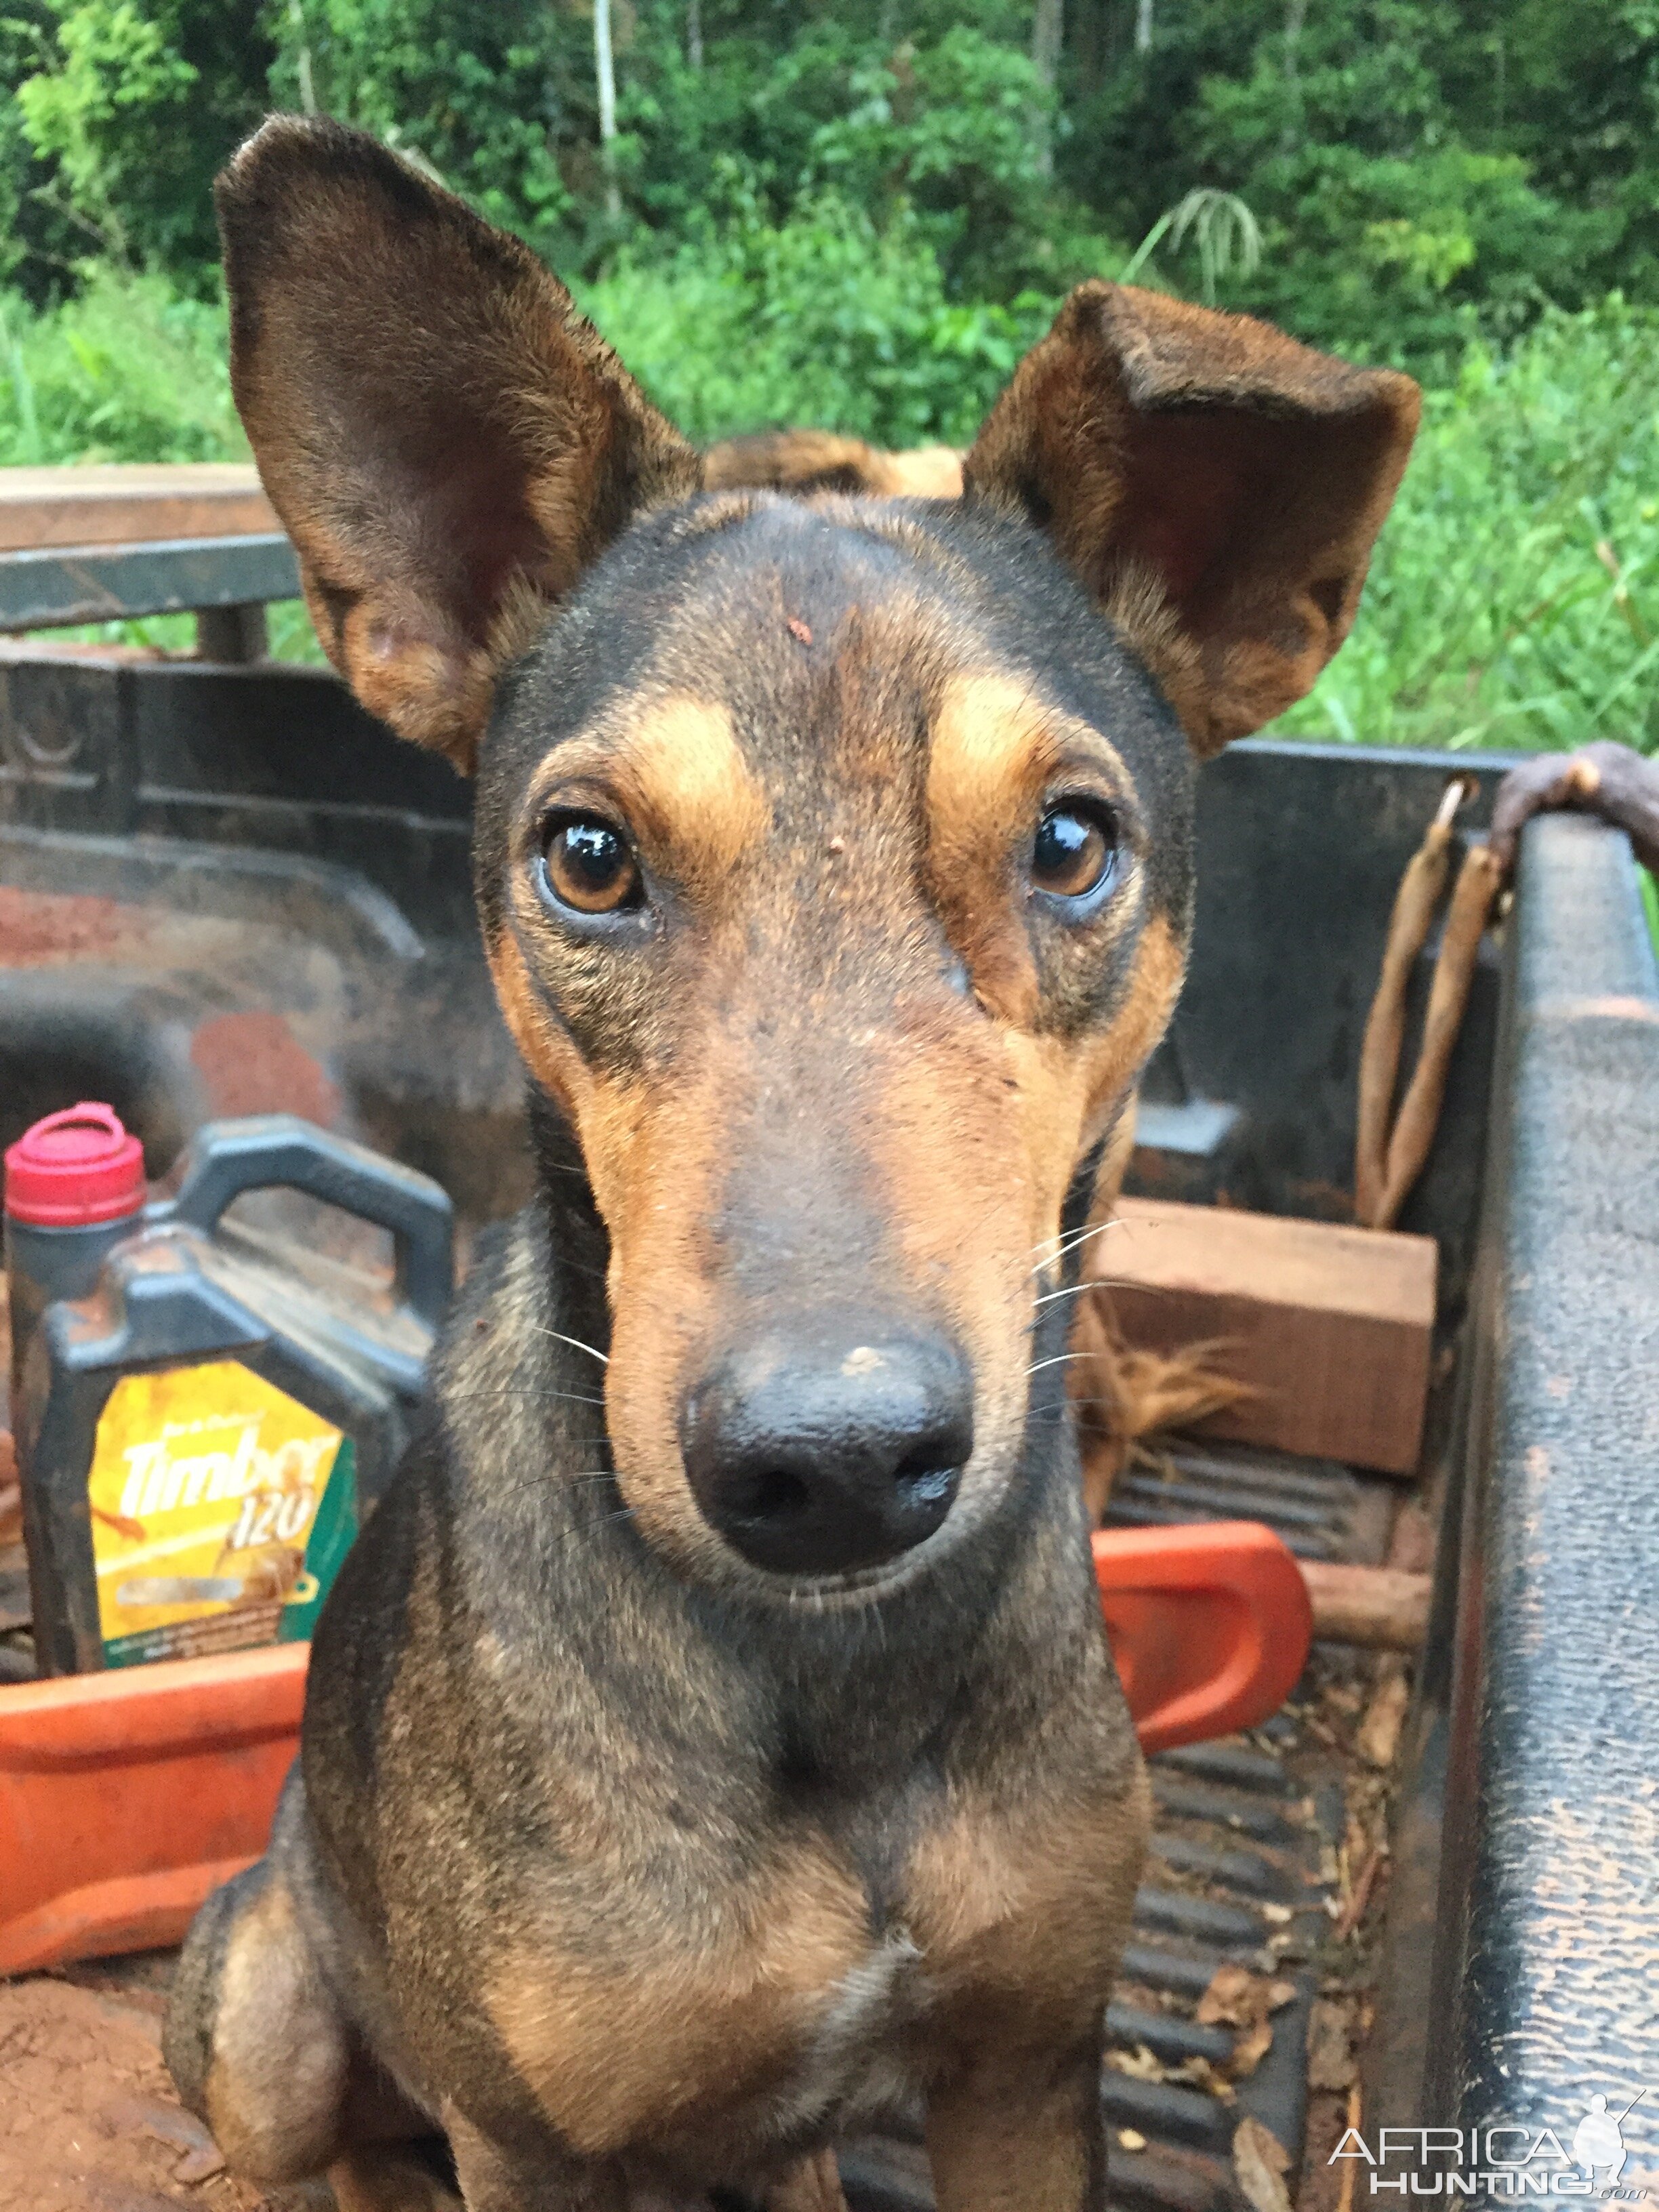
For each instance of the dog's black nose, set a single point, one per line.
(830, 1446)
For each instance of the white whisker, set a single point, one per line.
(592, 1350)
(1071, 1244)
(1059, 1360)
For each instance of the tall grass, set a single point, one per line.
(125, 371)
(1513, 602)
(1514, 599)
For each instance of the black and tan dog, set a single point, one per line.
(711, 1740)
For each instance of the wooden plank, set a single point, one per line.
(129, 504)
(1377, 1607)
(1331, 1327)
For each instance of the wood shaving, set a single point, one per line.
(1378, 1737)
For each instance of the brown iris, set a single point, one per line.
(590, 867)
(1075, 853)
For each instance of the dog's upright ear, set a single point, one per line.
(447, 441)
(1218, 486)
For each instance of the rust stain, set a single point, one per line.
(38, 927)
(252, 1063)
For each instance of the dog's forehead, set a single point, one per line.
(812, 651)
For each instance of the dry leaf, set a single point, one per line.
(1131, 2139)
(1260, 2164)
(1330, 2046)
(1202, 2075)
(1248, 2051)
(1139, 2064)
(1237, 1998)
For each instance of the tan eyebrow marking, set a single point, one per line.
(680, 775)
(991, 751)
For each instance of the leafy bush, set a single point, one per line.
(131, 105)
(823, 318)
(1514, 599)
(1420, 172)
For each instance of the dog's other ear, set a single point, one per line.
(1218, 487)
(447, 441)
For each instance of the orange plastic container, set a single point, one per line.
(126, 1796)
(1210, 1625)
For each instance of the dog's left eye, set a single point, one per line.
(1074, 855)
(589, 866)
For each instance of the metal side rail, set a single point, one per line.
(60, 585)
(1546, 1985)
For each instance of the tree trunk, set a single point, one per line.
(1048, 31)
(1143, 27)
(302, 59)
(1296, 15)
(605, 69)
(694, 33)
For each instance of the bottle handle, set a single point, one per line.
(262, 1151)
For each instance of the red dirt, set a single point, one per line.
(37, 927)
(252, 1063)
(88, 2122)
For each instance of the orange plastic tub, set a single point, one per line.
(125, 1797)
(1210, 1625)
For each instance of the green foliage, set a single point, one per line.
(1397, 220)
(127, 370)
(1514, 599)
(495, 95)
(823, 319)
(1420, 171)
(943, 131)
(129, 108)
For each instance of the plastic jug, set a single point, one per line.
(202, 1412)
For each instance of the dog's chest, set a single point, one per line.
(857, 2054)
(792, 2009)
(775, 2007)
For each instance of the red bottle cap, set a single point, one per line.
(74, 1169)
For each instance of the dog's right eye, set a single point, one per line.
(589, 866)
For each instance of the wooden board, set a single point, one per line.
(1331, 1327)
(125, 505)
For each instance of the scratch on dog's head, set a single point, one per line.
(833, 851)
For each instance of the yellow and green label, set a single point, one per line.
(220, 1508)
